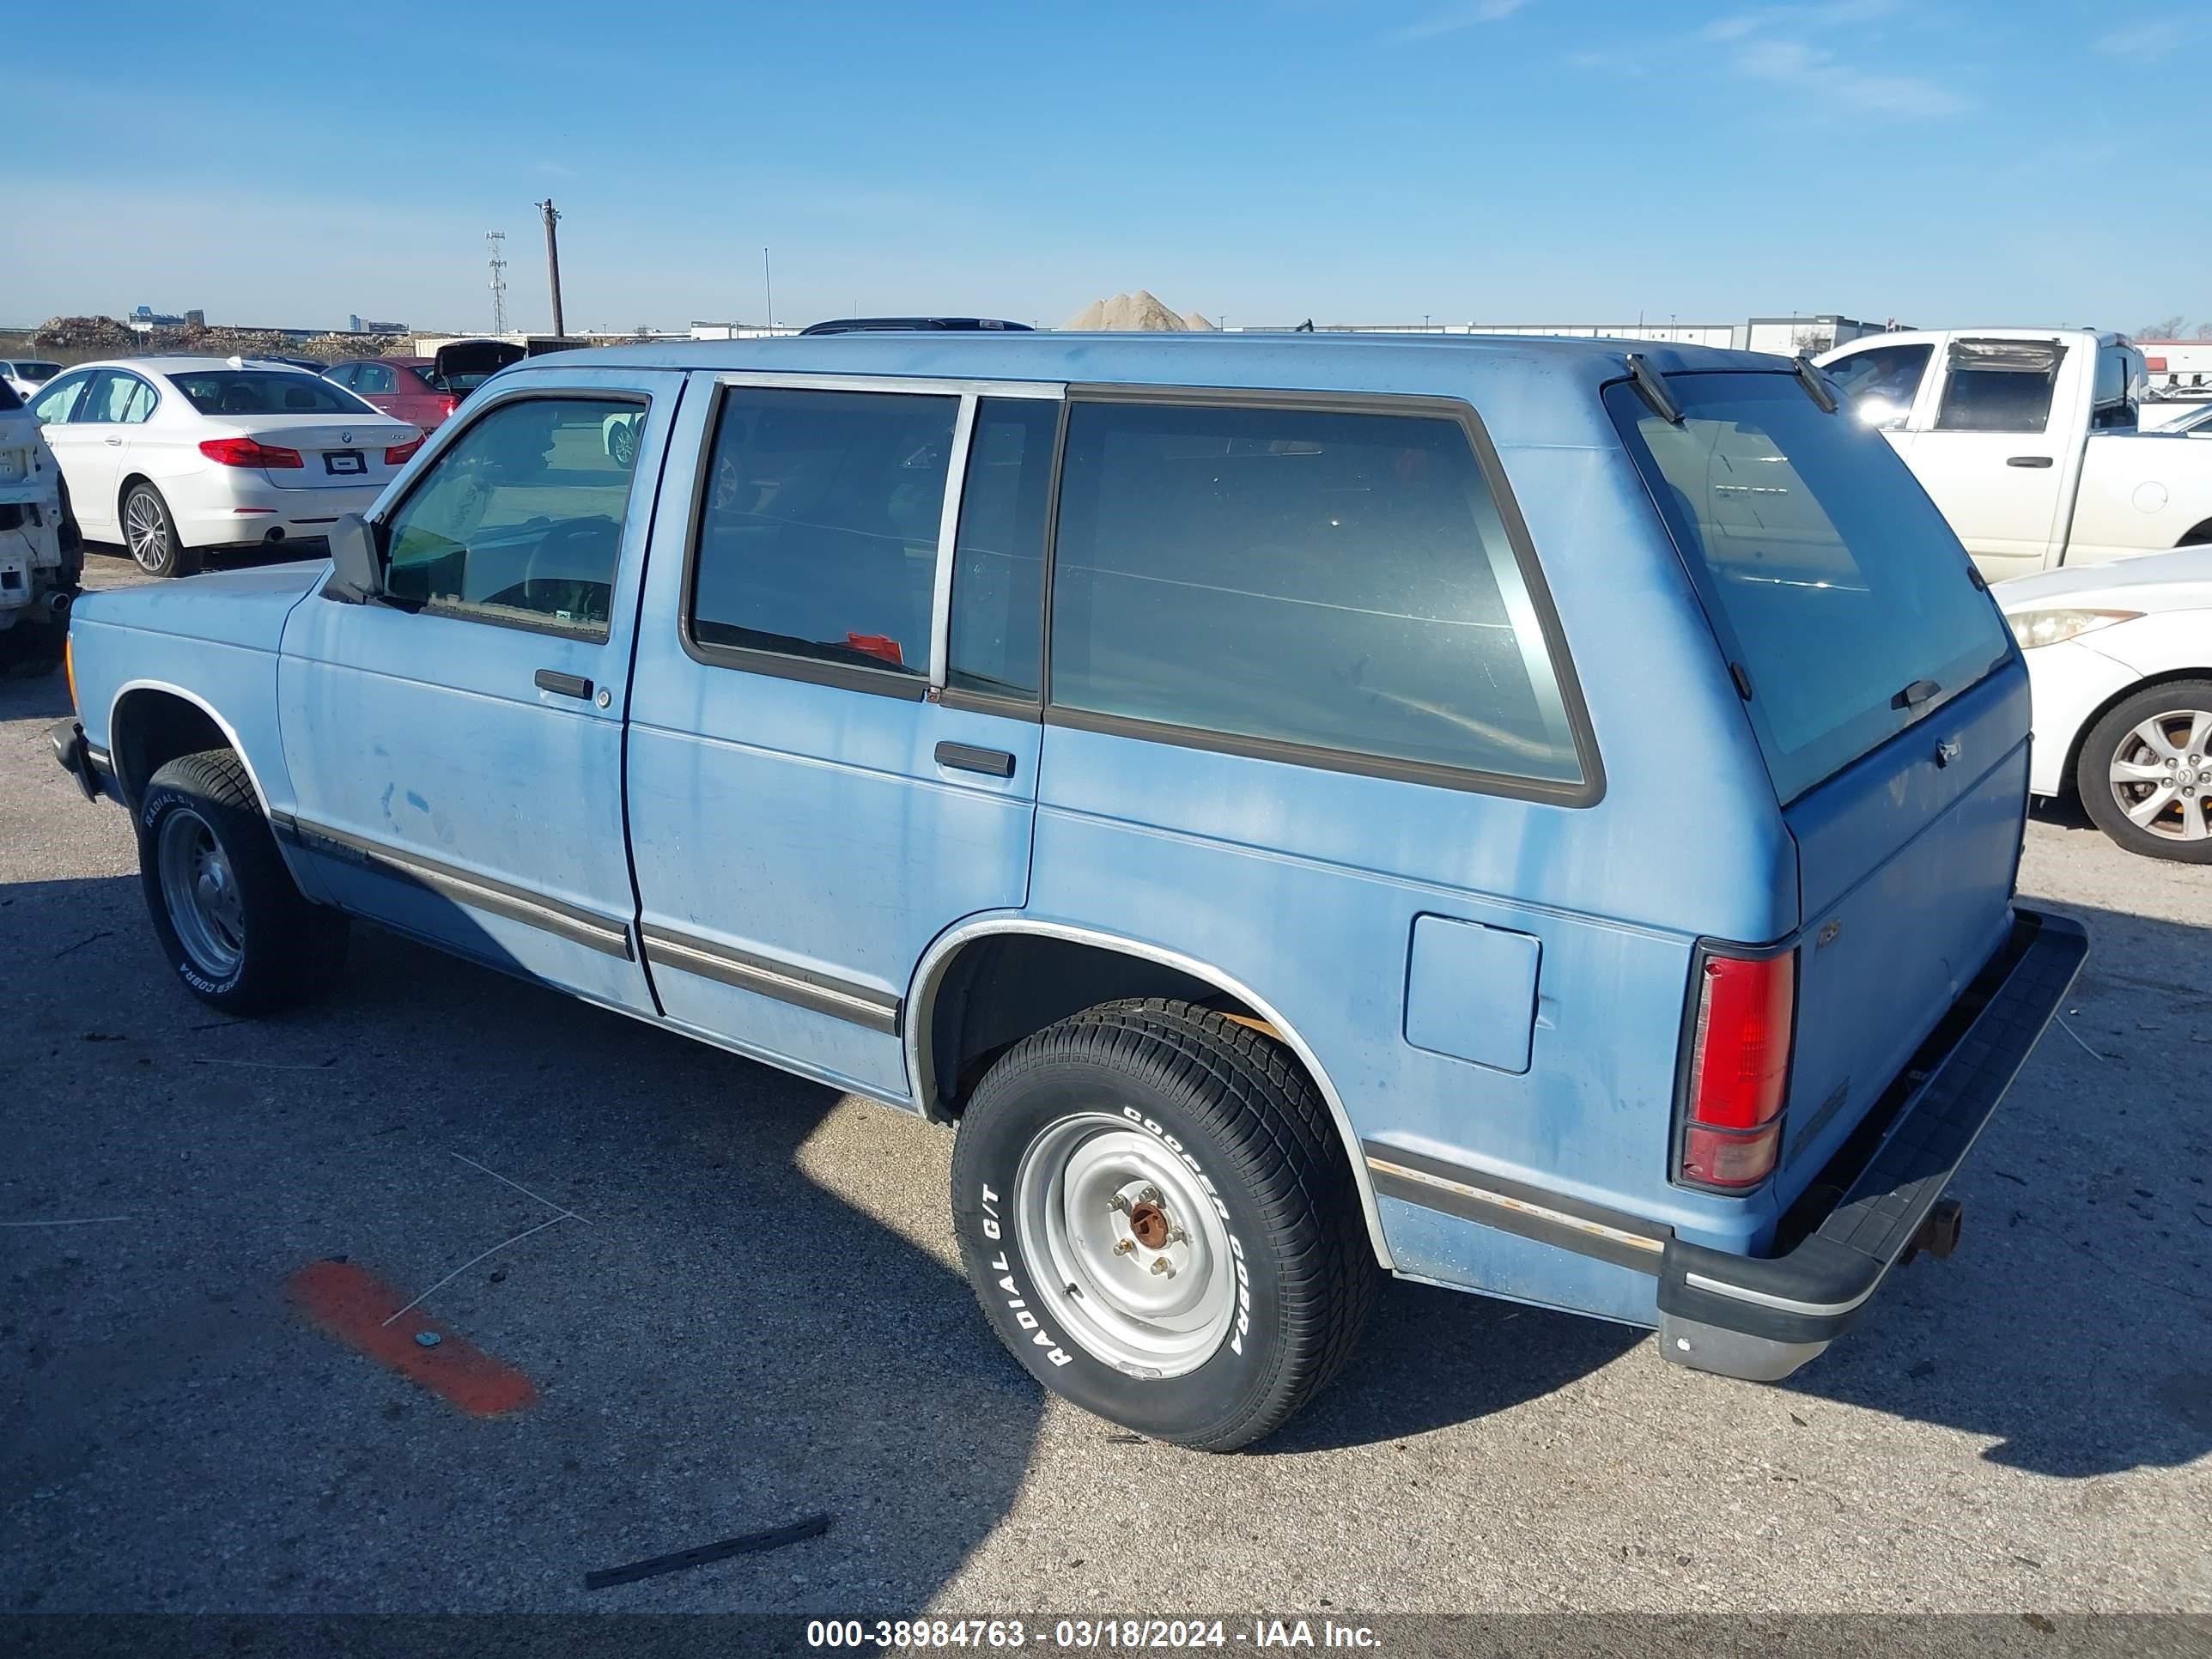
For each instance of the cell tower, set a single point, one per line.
(495, 242)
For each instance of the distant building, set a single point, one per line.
(1807, 335)
(356, 326)
(737, 332)
(2178, 369)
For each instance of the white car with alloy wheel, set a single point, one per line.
(2120, 660)
(174, 456)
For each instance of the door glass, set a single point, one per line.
(343, 374)
(520, 521)
(1879, 386)
(998, 570)
(374, 380)
(58, 402)
(1334, 580)
(1999, 386)
(109, 398)
(818, 538)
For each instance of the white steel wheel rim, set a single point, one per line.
(147, 529)
(2161, 774)
(1125, 1249)
(200, 890)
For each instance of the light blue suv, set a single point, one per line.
(1518, 814)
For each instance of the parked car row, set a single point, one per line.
(174, 456)
(1240, 781)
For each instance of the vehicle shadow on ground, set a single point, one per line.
(722, 1343)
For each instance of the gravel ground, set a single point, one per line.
(757, 1314)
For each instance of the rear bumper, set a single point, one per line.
(92, 768)
(1761, 1317)
(244, 507)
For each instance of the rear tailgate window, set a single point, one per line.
(1829, 577)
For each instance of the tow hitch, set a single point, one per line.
(1939, 1231)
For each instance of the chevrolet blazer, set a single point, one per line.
(1521, 814)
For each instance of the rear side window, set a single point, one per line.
(817, 540)
(998, 572)
(1828, 574)
(1999, 386)
(1335, 580)
(520, 522)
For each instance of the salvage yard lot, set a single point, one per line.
(748, 1310)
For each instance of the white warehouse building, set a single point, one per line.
(1808, 334)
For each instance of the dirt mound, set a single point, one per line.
(104, 336)
(1141, 313)
(1196, 324)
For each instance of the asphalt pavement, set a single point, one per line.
(748, 1310)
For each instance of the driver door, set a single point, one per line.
(456, 755)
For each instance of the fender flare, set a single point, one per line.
(921, 1009)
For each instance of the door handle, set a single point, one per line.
(2028, 460)
(965, 758)
(564, 685)
(113, 443)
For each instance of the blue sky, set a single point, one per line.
(1506, 160)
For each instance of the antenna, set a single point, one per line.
(496, 243)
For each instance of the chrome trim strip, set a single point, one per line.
(1550, 1217)
(948, 532)
(1785, 1303)
(921, 999)
(578, 925)
(862, 1005)
(228, 731)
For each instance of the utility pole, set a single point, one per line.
(495, 242)
(552, 257)
(768, 282)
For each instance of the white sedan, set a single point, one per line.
(171, 456)
(2120, 660)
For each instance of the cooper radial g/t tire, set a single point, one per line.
(230, 920)
(1160, 1221)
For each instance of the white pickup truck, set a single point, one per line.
(2027, 440)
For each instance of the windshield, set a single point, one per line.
(9, 400)
(36, 374)
(264, 391)
(1829, 577)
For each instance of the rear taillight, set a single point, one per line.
(1739, 1070)
(451, 405)
(400, 454)
(245, 452)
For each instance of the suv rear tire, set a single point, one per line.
(2124, 752)
(232, 922)
(1145, 1142)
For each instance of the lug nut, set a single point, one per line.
(1124, 1247)
(1161, 1265)
(1150, 1195)
(1118, 1204)
(1176, 1236)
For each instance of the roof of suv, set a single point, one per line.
(1433, 363)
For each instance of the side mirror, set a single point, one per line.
(356, 562)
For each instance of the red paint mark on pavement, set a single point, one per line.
(352, 1304)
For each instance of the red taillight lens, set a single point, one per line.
(245, 452)
(1739, 1070)
(400, 454)
(452, 403)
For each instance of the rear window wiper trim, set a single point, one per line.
(1652, 385)
(1815, 384)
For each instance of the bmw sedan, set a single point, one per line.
(175, 456)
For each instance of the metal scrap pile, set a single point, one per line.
(104, 336)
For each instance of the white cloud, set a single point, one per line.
(1452, 19)
(2153, 34)
(1820, 75)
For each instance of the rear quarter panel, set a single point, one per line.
(1306, 885)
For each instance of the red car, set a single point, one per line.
(408, 388)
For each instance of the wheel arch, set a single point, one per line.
(920, 1032)
(2069, 774)
(150, 722)
(2197, 536)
